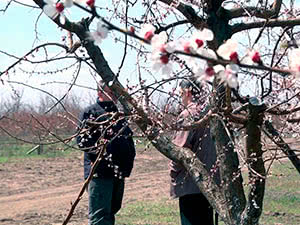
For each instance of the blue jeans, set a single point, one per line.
(195, 210)
(105, 200)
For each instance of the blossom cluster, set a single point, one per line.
(163, 48)
(53, 9)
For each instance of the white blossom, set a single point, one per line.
(53, 10)
(228, 74)
(294, 62)
(207, 53)
(205, 74)
(159, 39)
(252, 57)
(160, 43)
(228, 50)
(198, 40)
(147, 31)
(50, 9)
(100, 33)
(161, 50)
(161, 62)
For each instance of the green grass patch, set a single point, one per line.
(160, 212)
(142, 143)
(11, 149)
(17, 150)
(282, 196)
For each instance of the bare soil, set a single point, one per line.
(40, 191)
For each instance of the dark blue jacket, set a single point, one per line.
(120, 152)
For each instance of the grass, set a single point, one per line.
(281, 203)
(16, 150)
(282, 197)
(11, 149)
(161, 212)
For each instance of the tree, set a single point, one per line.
(199, 39)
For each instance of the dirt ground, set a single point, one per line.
(40, 191)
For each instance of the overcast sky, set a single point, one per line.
(17, 38)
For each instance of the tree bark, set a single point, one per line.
(256, 168)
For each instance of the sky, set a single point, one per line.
(17, 38)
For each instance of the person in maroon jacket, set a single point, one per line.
(193, 205)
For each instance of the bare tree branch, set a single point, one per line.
(273, 134)
(269, 23)
(254, 11)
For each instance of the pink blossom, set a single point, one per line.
(228, 50)
(294, 62)
(206, 74)
(201, 70)
(161, 61)
(198, 40)
(256, 57)
(228, 74)
(161, 50)
(159, 42)
(53, 9)
(147, 31)
(90, 3)
(253, 57)
(100, 33)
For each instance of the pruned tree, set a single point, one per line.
(246, 52)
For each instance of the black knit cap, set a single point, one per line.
(191, 84)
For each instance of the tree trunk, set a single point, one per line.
(256, 168)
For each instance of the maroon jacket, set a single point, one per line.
(200, 142)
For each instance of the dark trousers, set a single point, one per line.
(195, 210)
(105, 200)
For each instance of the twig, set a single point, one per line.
(87, 181)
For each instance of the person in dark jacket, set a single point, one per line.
(193, 206)
(98, 125)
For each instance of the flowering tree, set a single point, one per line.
(245, 52)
